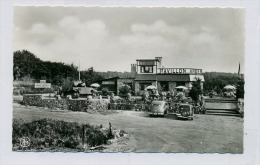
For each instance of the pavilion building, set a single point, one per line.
(150, 72)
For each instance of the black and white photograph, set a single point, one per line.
(128, 79)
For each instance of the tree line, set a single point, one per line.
(26, 64)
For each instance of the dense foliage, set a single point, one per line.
(26, 64)
(124, 90)
(196, 90)
(90, 76)
(240, 91)
(217, 81)
(59, 135)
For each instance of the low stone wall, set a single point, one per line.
(74, 105)
(81, 105)
(33, 100)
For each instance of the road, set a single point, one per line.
(206, 133)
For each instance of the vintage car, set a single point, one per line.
(158, 108)
(185, 111)
(229, 94)
(212, 94)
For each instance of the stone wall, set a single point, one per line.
(82, 105)
(74, 105)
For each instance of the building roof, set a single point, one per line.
(176, 77)
(147, 60)
(120, 77)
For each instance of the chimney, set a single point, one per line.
(160, 61)
(133, 70)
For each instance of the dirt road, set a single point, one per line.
(206, 133)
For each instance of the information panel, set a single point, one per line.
(42, 85)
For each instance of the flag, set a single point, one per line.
(238, 69)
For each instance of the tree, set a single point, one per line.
(66, 85)
(240, 89)
(217, 80)
(90, 76)
(196, 90)
(26, 64)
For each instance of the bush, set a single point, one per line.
(240, 89)
(47, 133)
(124, 90)
(196, 90)
(105, 92)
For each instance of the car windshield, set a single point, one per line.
(157, 105)
(185, 107)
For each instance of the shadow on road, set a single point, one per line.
(167, 116)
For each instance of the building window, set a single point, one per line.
(146, 69)
(144, 85)
(180, 83)
(164, 86)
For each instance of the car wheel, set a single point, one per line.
(151, 115)
(191, 118)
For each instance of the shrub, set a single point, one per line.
(240, 89)
(196, 90)
(47, 133)
(105, 91)
(124, 90)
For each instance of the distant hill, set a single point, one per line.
(209, 75)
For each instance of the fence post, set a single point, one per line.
(83, 136)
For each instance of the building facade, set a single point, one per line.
(150, 72)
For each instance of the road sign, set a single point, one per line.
(42, 85)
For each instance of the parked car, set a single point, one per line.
(185, 111)
(212, 94)
(158, 108)
(229, 94)
(173, 107)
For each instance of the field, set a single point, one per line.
(206, 133)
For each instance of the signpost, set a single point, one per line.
(42, 81)
(42, 84)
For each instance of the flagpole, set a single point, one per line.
(238, 69)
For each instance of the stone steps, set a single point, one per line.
(223, 112)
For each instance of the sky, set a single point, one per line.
(112, 38)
